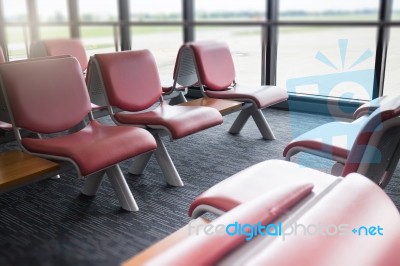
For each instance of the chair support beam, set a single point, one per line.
(121, 188)
(139, 163)
(171, 175)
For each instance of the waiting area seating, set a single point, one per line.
(50, 99)
(129, 81)
(210, 66)
(369, 145)
(280, 213)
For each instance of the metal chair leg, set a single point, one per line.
(240, 121)
(121, 188)
(167, 166)
(92, 183)
(139, 163)
(262, 125)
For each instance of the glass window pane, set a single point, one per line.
(52, 10)
(15, 10)
(230, 10)
(333, 62)
(245, 46)
(53, 32)
(392, 80)
(163, 43)
(17, 43)
(396, 10)
(328, 10)
(156, 10)
(98, 10)
(98, 39)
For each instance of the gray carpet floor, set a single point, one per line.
(51, 223)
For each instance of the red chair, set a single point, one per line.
(52, 98)
(131, 83)
(346, 221)
(72, 47)
(54, 47)
(210, 64)
(369, 145)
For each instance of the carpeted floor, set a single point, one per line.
(50, 223)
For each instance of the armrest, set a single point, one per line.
(208, 247)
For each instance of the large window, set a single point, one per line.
(324, 48)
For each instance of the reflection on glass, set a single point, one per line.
(98, 10)
(245, 46)
(98, 39)
(333, 62)
(392, 80)
(163, 42)
(156, 10)
(329, 10)
(230, 10)
(52, 10)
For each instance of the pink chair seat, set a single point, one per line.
(256, 180)
(322, 139)
(180, 121)
(96, 146)
(263, 96)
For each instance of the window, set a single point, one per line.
(156, 10)
(327, 61)
(339, 10)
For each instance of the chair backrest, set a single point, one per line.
(45, 96)
(72, 47)
(214, 64)
(376, 149)
(2, 58)
(185, 72)
(130, 79)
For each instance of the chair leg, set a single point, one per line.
(180, 98)
(121, 188)
(240, 121)
(139, 163)
(262, 125)
(92, 183)
(167, 166)
(55, 177)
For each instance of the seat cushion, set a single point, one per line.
(263, 96)
(256, 180)
(96, 146)
(179, 121)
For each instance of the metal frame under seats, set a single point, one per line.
(130, 82)
(369, 145)
(210, 65)
(49, 100)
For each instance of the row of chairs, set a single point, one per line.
(197, 64)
